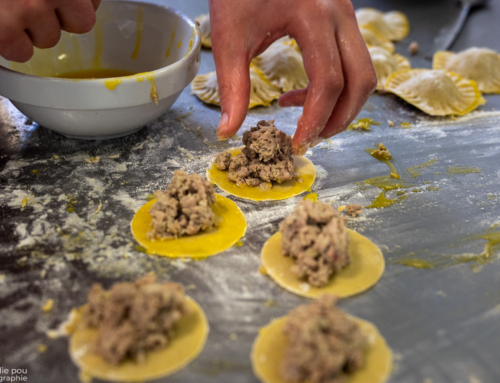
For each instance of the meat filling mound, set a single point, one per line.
(315, 237)
(266, 157)
(133, 318)
(323, 343)
(184, 208)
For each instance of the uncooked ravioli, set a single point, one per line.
(230, 226)
(436, 92)
(282, 65)
(366, 268)
(479, 64)
(372, 39)
(205, 29)
(392, 25)
(386, 64)
(262, 92)
(269, 349)
(190, 337)
(305, 173)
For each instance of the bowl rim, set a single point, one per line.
(197, 41)
(16, 86)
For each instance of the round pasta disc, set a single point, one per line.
(435, 92)
(282, 65)
(303, 167)
(269, 349)
(479, 64)
(190, 336)
(366, 268)
(386, 63)
(392, 25)
(262, 92)
(230, 227)
(372, 39)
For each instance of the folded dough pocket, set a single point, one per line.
(392, 25)
(373, 39)
(386, 64)
(436, 92)
(479, 64)
(262, 92)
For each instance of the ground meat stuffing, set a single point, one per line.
(323, 343)
(266, 157)
(133, 318)
(184, 208)
(353, 210)
(315, 237)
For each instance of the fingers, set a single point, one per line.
(77, 16)
(323, 67)
(15, 44)
(44, 29)
(232, 65)
(293, 98)
(95, 4)
(360, 78)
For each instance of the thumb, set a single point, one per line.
(233, 77)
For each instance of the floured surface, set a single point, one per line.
(440, 322)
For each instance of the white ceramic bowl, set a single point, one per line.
(131, 36)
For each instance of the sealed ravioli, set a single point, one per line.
(436, 92)
(206, 31)
(392, 25)
(137, 331)
(479, 64)
(372, 39)
(282, 65)
(320, 343)
(262, 92)
(386, 64)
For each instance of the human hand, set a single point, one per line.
(335, 56)
(28, 23)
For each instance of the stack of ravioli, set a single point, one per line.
(453, 87)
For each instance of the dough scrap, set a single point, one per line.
(269, 348)
(373, 39)
(386, 64)
(282, 65)
(479, 64)
(205, 29)
(393, 25)
(436, 92)
(262, 92)
(366, 268)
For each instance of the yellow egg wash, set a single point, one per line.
(312, 197)
(173, 35)
(138, 35)
(191, 42)
(230, 228)
(394, 172)
(99, 44)
(363, 124)
(366, 268)
(189, 339)
(303, 167)
(269, 349)
(416, 171)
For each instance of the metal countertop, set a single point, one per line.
(442, 324)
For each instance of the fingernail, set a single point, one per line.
(221, 131)
(301, 150)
